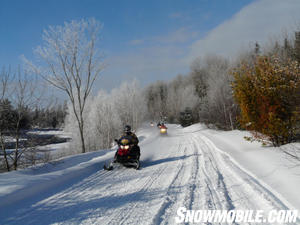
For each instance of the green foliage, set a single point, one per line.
(48, 118)
(186, 117)
(7, 116)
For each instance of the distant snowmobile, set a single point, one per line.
(126, 155)
(163, 129)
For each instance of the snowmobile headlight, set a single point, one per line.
(126, 147)
(163, 130)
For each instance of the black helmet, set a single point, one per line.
(127, 128)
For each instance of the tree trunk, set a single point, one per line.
(82, 141)
(225, 115)
(83, 150)
(15, 164)
(4, 153)
(231, 124)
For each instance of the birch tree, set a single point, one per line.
(71, 61)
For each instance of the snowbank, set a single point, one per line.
(21, 184)
(270, 165)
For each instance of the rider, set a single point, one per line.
(133, 139)
(128, 132)
(162, 125)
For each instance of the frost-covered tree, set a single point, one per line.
(179, 98)
(130, 103)
(198, 76)
(106, 114)
(212, 83)
(219, 93)
(104, 121)
(156, 100)
(101, 120)
(71, 61)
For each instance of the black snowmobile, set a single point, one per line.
(126, 155)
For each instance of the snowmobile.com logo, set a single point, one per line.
(235, 216)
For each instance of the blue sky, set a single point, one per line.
(147, 40)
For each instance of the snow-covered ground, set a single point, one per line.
(193, 167)
(58, 133)
(11, 139)
(270, 165)
(53, 151)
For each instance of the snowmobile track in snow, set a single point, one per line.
(184, 169)
(128, 212)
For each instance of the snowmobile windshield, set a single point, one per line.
(125, 140)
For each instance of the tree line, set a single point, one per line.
(259, 92)
(21, 110)
(267, 91)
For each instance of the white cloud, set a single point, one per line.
(170, 54)
(148, 64)
(181, 35)
(255, 22)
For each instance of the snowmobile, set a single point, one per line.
(126, 155)
(163, 129)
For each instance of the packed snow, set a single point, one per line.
(193, 167)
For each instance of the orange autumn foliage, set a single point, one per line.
(268, 94)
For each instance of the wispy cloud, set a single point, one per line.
(167, 55)
(149, 63)
(179, 36)
(256, 22)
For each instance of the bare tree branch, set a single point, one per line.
(70, 62)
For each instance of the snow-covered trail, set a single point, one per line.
(183, 169)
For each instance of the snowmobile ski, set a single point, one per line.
(108, 167)
(113, 165)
